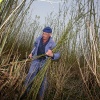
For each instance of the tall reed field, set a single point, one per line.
(76, 30)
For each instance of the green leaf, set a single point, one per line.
(1, 1)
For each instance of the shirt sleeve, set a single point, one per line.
(34, 47)
(55, 55)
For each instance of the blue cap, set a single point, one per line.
(47, 30)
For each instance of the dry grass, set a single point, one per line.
(75, 76)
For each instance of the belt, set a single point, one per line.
(41, 58)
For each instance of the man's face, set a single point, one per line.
(46, 35)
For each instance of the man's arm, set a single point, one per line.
(54, 56)
(32, 53)
(34, 47)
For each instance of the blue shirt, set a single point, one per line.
(49, 46)
(41, 48)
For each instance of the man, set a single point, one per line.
(43, 45)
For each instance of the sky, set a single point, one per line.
(43, 8)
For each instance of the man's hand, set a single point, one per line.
(49, 53)
(30, 55)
